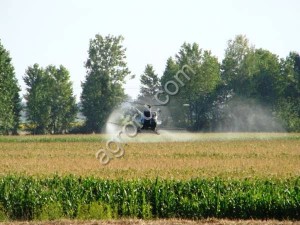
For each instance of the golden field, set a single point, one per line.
(172, 156)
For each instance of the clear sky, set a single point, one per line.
(58, 31)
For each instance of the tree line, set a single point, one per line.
(249, 90)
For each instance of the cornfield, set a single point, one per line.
(48, 198)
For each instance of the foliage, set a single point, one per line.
(10, 102)
(289, 111)
(288, 104)
(236, 66)
(204, 73)
(90, 198)
(51, 106)
(149, 85)
(256, 91)
(171, 112)
(208, 100)
(102, 88)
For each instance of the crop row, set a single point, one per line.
(57, 197)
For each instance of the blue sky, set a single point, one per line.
(58, 31)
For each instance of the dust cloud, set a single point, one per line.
(243, 119)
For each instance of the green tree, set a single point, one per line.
(253, 76)
(206, 68)
(288, 110)
(51, 105)
(10, 102)
(290, 76)
(237, 65)
(38, 109)
(203, 81)
(170, 71)
(288, 105)
(170, 112)
(265, 76)
(63, 102)
(149, 85)
(102, 88)
(197, 73)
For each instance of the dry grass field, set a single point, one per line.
(171, 156)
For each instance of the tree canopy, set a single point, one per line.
(10, 102)
(51, 105)
(251, 89)
(102, 89)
